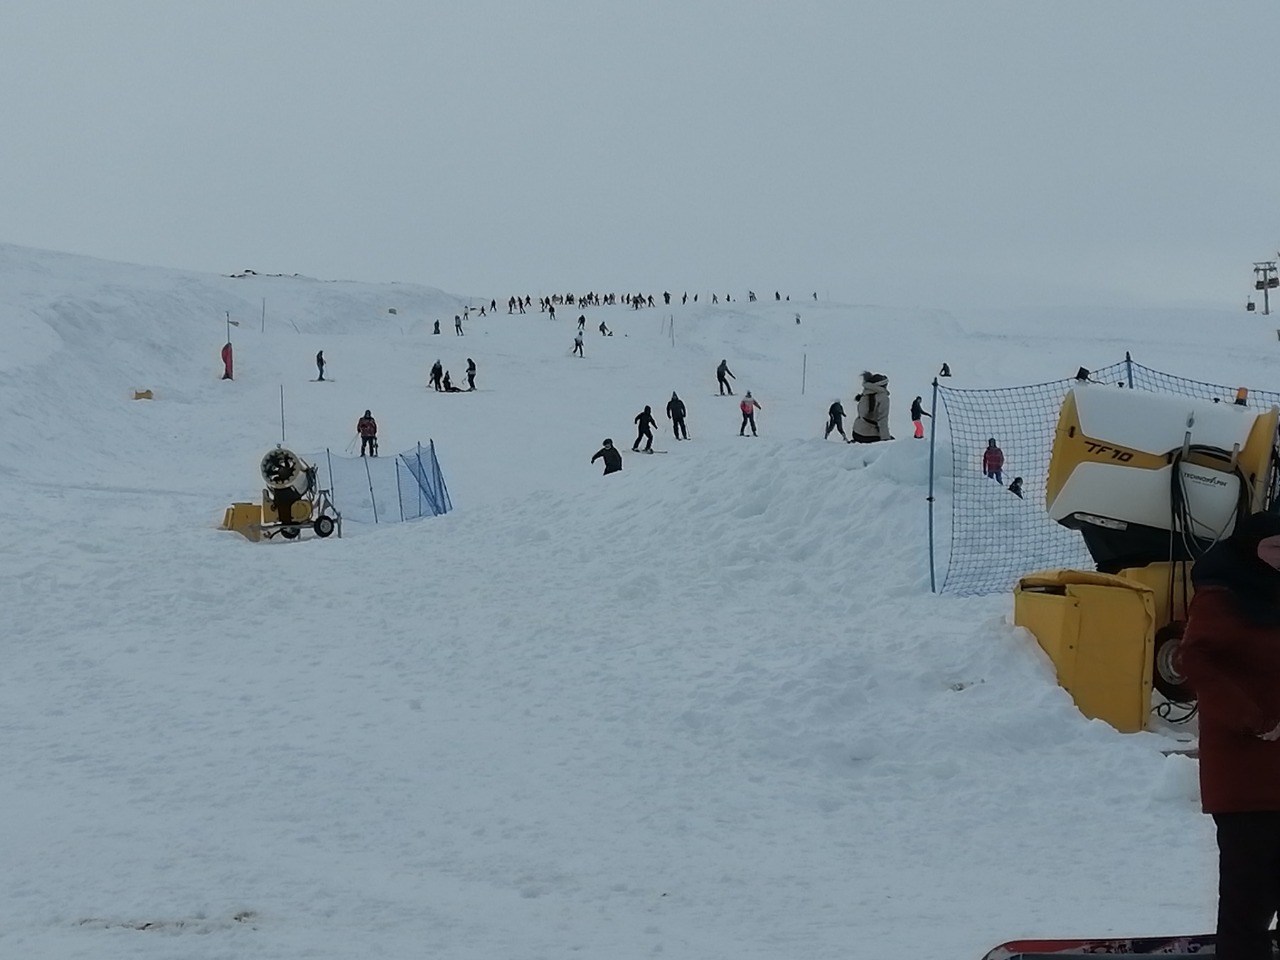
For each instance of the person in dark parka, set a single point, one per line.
(675, 413)
(1230, 655)
(644, 429)
(835, 420)
(611, 457)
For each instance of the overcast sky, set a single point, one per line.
(931, 152)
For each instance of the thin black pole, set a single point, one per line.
(282, 414)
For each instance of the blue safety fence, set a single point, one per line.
(406, 486)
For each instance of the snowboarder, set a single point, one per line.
(748, 406)
(605, 331)
(918, 411)
(675, 413)
(612, 458)
(320, 364)
(993, 461)
(872, 422)
(835, 420)
(644, 429)
(437, 371)
(367, 427)
(448, 384)
(945, 371)
(471, 374)
(577, 344)
(1227, 654)
(723, 371)
(1016, 487)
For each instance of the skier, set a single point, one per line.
(993, 461)
(872, 423)
(320, 364)
(551, 307)
(437, 371)
(436, 328)
(582, 322)
(748, 406)
(471, 374)
(457, 325)
(835, 420)
(918, 411)
(367, 427)
(1228, 655)
(612, 458)
(1016, 487)
(723, 371)
(644, 429)
(577, 344)
(675, 413)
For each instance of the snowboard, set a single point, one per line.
(648, 451)
(1194, 945)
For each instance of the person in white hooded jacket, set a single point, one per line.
(872, 423)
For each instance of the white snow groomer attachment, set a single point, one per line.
(292, 501)
(1150, 478)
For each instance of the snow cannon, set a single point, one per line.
(1148, 478)
(292, 499)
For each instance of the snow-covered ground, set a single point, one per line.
(706, 708)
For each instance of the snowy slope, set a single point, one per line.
(706, 708)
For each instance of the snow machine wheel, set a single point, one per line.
(324, 526)
(1165, 674)
(290, 533)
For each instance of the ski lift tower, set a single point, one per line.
(1266, 280)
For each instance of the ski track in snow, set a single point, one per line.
(703, 708)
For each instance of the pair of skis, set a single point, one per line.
(1171, 948)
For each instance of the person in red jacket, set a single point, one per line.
(367, 427)
(993, 461)
(748, 406)
(1230, 655)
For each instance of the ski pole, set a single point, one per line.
(352, 444)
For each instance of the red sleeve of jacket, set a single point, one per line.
(1217, 651)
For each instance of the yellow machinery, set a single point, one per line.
(1099, 631)
(1151, 481)
(1149, 477)
(292, 502)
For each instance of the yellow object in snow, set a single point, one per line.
(143, 395)
(245, 519)
(1099, 631)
